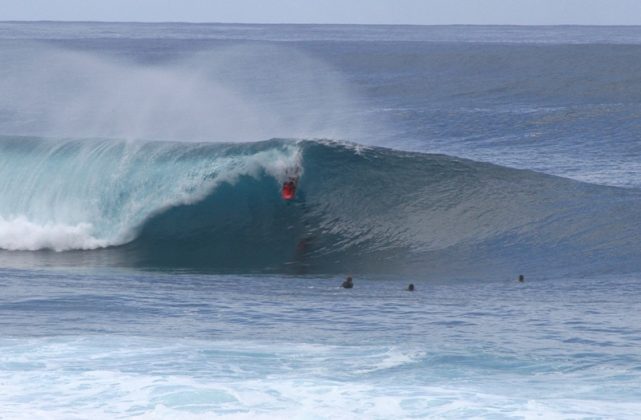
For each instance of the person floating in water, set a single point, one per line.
(410, 288)
(521, 278)
(347, 284)
(288, 191)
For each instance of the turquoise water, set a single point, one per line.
(149, 269)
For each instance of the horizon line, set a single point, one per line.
(317, 24)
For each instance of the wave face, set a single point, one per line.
(66, 195)
(217, 207)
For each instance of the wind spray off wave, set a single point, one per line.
(223, 94)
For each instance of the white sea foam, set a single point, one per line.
(19, 234)
(100, 377)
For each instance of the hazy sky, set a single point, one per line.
(519, 12)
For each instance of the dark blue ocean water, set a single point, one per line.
(150, 269)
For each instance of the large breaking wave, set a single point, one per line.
(361, 209)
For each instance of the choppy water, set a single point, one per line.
(150, 269)
(131, 344)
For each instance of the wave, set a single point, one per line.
(102, 191)
(360, 209)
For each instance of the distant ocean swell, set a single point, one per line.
(362, 209)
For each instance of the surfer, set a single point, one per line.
(288, 192)
(289, 189)
(521, 278)
(347, 284)
(410, 288)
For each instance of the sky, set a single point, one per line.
(418, 12)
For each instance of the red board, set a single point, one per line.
(289, 190)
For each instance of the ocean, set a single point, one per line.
(149, 267)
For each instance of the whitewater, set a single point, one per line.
(150, 269)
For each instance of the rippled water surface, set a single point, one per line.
(127, 344)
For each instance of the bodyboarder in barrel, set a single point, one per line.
(288, 192)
